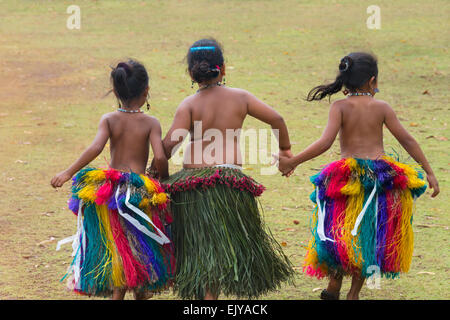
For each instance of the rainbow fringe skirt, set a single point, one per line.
(123, 234)
(362, 221)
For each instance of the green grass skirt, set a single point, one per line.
(221, 242)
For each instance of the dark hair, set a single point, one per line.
(129, 80)
(204, 60)
(355, 70)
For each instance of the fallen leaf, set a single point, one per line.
(426, 272)
(426, 92)
(284, 244)
(316, 289)
(296, 222)
(46, 214)
(290, 229)
(42, 243)
(413, 124)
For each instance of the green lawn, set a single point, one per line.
(53, 81)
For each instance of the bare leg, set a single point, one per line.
(355, 289)
(118, 294)
(142, 295)
(333, 289)
(210, 296)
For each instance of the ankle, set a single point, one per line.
(352, 296)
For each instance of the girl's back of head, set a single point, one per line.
(204, 60)
(129, 80)
(355, 70)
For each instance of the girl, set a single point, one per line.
(220, 239)
(121, 243)
(362, 221)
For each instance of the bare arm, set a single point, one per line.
(261, 111)
(319, 146)
(179, 129)
(411, 146)
(87, 156)
(159, 157)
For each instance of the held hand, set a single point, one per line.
(433, 183)
(285, 166)
(151, 171)
(283, 162)
(60, 179)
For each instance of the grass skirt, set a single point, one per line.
(362, 221)
(220, 240)
(122, 238)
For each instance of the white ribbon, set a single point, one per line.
(76, 245)
(321, 218)
(363, 211)
(161, 238)
(76, 237)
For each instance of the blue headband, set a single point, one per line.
(203, 48)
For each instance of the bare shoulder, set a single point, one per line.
(383, 106)
(339, 104)
(244, 96)
(107, 117)
(238, 91)
(241, 93)
(187, 102)
(152, 121)
(381, 103)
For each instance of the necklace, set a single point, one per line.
(218, 84)
(359, 94)
(129, 111)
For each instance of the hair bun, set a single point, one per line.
(202, 71)
(345, 64)
(126, 67)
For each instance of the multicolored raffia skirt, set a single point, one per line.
(221, 243)
(362, 222)
(123, 234)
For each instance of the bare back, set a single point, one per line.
(129, 140)
(216, 114)
(213, 117)
(361, 132)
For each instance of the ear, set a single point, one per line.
(373, 82)
(146, 91)
(222, 69)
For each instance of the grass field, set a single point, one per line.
(53, 81)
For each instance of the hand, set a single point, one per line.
(152, 172)
(283, 162)
(60, 179)
(285, 166)
(433, 183)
